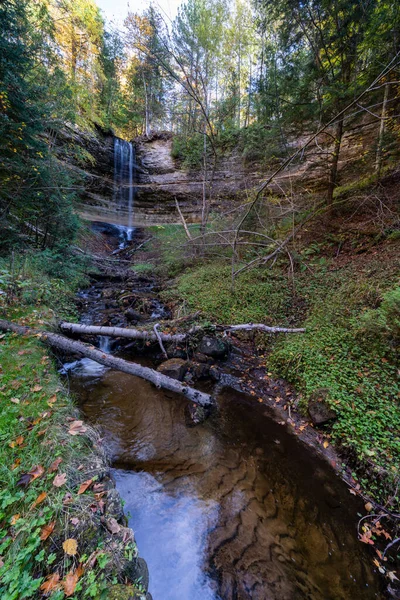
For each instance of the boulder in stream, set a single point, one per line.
(213, 346)
(174, 367)
(319, 409)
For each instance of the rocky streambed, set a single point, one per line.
(235, 506)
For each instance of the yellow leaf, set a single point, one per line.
(70, 546)
(326, 444)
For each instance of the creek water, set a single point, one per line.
(235, 508)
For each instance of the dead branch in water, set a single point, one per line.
(74, 347)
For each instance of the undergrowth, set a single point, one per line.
(351, 346)
(34, 414)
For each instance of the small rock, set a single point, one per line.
(318, 408)
(174, 367)
(132, 315)
(108, 293)
(212, 346)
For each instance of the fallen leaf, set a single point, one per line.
(54, 465)
(39, 499)
(60, 480)
(84, 486)
(75, 521)
(24, 480)
(365, 539)
(17, 442)
(70, 546)
(16, 464)
(14, 519)
(1, 562)
(36, 472)
(112, 525)
(392, 576)
(47, 530)
(68, 498)
(50, 584)
(325, 444)
(76, 427)
(36, 388)
(15, 400)
(368, 507)
(70, 582)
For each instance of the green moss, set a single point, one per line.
(258, 296)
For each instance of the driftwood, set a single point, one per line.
(74, 347)
(141, 334)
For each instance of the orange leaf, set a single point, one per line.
(14, 519)
(16, 464)
(71, 580)
(39, 499)
(84, 486)
(36, 472)
(17, 442)
(51, 583)
(52, 399)
(47, 530)
(36, 388)
(70, 546)
(54, 465)
(60, 480)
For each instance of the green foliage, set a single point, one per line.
(188, 149)
(336, 353)
(50, 277)
(382, 324)
(259, 296)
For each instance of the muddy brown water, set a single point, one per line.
(235, 508)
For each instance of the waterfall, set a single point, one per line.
(124, 191)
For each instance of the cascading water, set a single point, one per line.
(124, 191)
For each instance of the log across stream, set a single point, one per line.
(235, 508)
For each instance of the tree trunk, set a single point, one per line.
(378, 160)
(158, 379)
(335, 161)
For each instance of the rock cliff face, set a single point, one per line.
(159, 179)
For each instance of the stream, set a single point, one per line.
(234, 508)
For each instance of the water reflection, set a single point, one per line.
(170, 530)
(233, 509)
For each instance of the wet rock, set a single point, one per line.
(174, 367)
(124, 592)
(195, 414)
(201, 370)
(212, 346)
(114, 509)
(108, 293)
(137, 571)
(132, 315)
(319, 409)
(202, 358)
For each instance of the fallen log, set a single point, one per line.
(136, 334)
(261, 327)
(142, 334)
(158, 379)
